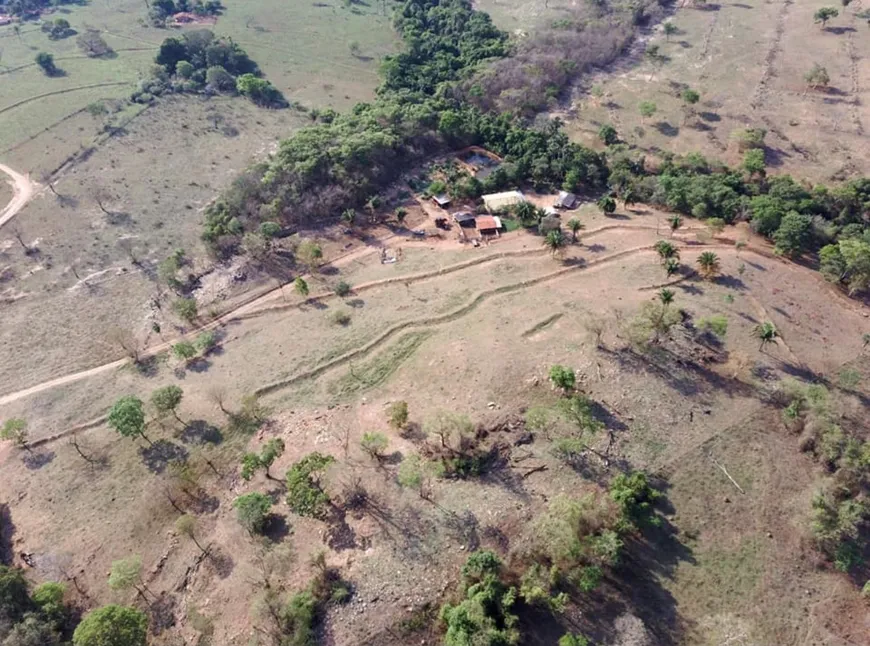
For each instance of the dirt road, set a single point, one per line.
(22, 192)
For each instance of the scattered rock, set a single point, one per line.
(727, 499)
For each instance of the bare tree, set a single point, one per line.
(125, 340)
(16, 232)
(47, 178)
(101, 195)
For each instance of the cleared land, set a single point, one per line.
(484, 334)
(748, 61)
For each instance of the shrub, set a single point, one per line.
(186, 309)
(252, 511)
(563, 378)
(375, 444)
(749, 138)
(716, 324)
(342, 289)
(398, 414)
(340, 317)
(305, 494)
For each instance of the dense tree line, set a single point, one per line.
(39, 616)
(160, 10)
(344, 159)
(199, 61)
(796, 216)
(25, 7)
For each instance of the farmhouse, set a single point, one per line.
(488, 225)
(499, 201)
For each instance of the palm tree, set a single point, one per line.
(574, 225)
(675, 221)
(526, 213)
(555, 242)
(709, 264)
(348, 216)
(666, 296)
(666, 250)
(672, 266)
(766, 333)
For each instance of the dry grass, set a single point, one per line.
(748, 61)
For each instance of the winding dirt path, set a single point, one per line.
(23, 190)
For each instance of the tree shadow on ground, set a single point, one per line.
(35, 461)
(220, 562)
(7, 532)
(277, 528)
(731, 282)
(666, 129)
(199, 431)
(162, 613)
(157, 456)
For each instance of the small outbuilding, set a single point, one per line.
(549, 223)
(465, 219)
(441, 201)
(488, 225)
(566, 201)
(496, 202)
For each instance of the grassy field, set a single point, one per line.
(304, 49)
(748, 61)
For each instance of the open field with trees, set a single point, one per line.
(433, 368)
(752, 64)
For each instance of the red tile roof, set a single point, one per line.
(485, 222)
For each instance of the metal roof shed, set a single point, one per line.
(500, 201)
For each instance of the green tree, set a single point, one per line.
(14, 430)
(49, 597)
(401, 214)
(183, 69)
(607, 205)
(708, 264)
(666, 296)
(647, 109)
(555, 242)
(672, 266)
(184, 350)
(765, 332)
(753, 163)
(817, 77)
(186, 526)
(112, 626)
(127, 417)
(259, 90)
(14, 598)
(608, 135)
(33, 630)
(166, 401)
(253, 462)
(416, 472)
(847, 262)
(675, 222)
(348, 216)
(301, 287)
(563, 378)
(690, 99)
(823, 15)
(484, 614)
(253, 511)
(526, 213)
(574, 226)
(666, 250)
(217, 77)
(205, 341)
(310, 253)
(636, 499)
(375, 444)
(186, 309)
(573, 639)
(342, 289)
(669, 29)
(794, 234)
(127, 573)
(305, 493)
(46, 64)
(397, 415)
